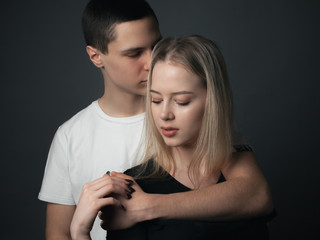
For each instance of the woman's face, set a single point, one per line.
(178, 103)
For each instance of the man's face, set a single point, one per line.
(126, 65)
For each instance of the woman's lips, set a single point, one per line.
(169, 131)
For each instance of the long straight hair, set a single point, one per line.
(213, 148)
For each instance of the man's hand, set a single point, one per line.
(95, 195)
(245, 194)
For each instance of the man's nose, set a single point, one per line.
(147, 60)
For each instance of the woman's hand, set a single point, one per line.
(132, 210)
(104, 191)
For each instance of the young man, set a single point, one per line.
(120, 35)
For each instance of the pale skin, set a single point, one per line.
(99, 193)
(91, 201)
(246, 192)
(178, 102)
(240, 196)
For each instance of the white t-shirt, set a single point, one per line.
(86, 147)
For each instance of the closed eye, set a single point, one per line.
(135, 54)
(156, 101)
(183, 103)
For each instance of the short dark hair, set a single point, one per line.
(100, 17)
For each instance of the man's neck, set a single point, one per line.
(124, 105)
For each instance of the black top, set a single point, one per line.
(186, 229)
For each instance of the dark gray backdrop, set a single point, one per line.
(272, 53)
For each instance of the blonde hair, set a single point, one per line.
(214, 144)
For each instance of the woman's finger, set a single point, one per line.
(123, 176)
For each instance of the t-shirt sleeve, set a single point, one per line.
(56, 185)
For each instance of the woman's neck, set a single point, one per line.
(182, 159)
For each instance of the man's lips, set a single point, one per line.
(169, 131)
(144, 81)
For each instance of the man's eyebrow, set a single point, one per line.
(130, 50)
(175, 93)
(136, 49)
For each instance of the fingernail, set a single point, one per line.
(129, 181)
(129, 196)
(123, 208)
(131, 189)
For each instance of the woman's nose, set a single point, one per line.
(166, 113)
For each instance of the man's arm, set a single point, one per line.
(58, 221)
(245, 194)
(58, 216)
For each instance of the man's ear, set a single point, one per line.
(95, 56)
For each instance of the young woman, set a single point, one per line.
(188, 133)
(188, 138)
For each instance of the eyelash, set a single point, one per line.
(183, 104)
(179, 103)
(138, 54)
